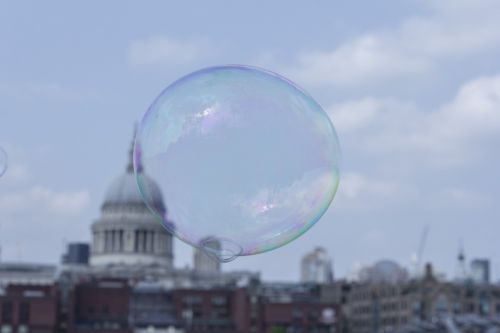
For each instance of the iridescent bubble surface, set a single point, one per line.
(244, 158)
(3, 161)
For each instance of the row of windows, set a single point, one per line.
(197, 299)
(394, 306)
(8, 329)
(7, 313)
(389, 306)
(387, 321)
(368, 294)
(393, 321)
(469, 307)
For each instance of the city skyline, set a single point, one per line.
(412, 88)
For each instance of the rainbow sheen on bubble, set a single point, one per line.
(3, 162)
(245, 159)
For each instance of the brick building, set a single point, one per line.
(298, 317)
(151, 305)
(294, 308)
(208, 310)
(99, 306)
(28, 308)
(111, 305)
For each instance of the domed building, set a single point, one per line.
(127, 233)
(383, 271)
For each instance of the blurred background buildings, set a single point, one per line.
(125, 281)
(316, 267)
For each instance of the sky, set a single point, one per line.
(412, 88)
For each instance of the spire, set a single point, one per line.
(130, 165)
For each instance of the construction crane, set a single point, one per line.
(421, 247)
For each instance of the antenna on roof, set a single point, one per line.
(461, 269)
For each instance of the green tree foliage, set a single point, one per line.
(278, 329)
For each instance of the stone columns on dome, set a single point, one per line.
(129, 244)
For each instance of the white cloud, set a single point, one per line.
(35, 217)
(414, 48)
(445, 135)
(398, 145)
(38, 199)
(353, 115)
(66, 203)
(474, 112)
(166, 51)
(458, 130)
(367, 58)
(355, 185)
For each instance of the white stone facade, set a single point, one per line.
(127, 233)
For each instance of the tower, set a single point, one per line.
(461, 269)
(203, 262)
(316, 267)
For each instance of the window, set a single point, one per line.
(192, 299)
(484, 306)
(24, 313)
(297, 314)
(219, 300)
(7, 312)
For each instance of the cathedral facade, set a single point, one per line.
(126, 233)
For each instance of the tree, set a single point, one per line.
(278, 329)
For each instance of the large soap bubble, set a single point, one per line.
(246, 160)
(3, 161)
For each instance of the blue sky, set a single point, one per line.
(413, 88)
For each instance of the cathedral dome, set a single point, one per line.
(124, 191)
(384, 271)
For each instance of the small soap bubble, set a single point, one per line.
(245, 159)
(3, 161)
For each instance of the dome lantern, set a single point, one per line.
(124, 190)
